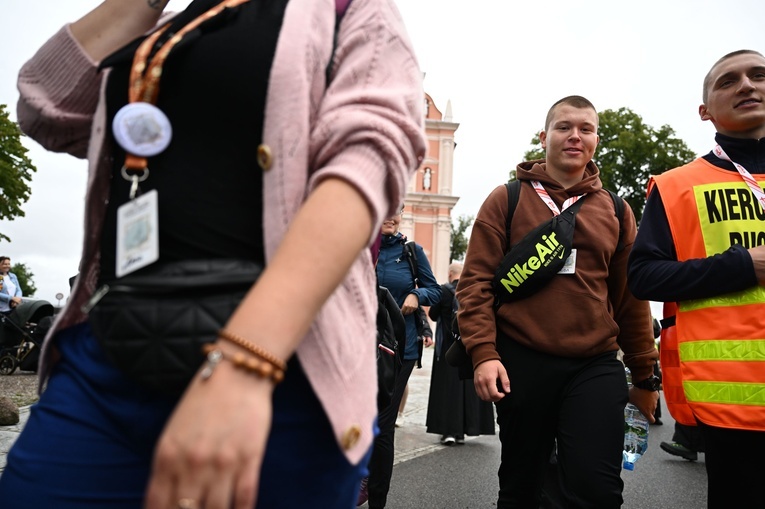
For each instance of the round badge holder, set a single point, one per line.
(142, 129)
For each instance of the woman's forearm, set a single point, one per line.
(114, 23)
(326, 237)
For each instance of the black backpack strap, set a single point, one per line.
(410, 253)
(513, 194)
(619, 212)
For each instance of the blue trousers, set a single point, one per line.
(89, 441)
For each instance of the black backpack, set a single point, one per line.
(390, 326)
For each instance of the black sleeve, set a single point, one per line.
(435, 310)
(426, 329)
(655, 274)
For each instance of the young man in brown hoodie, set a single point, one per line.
(549, 361)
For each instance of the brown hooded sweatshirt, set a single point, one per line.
(575, 315)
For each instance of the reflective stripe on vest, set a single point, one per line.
(719, 348)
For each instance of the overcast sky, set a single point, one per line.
(502, 63)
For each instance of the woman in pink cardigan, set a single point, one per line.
(255, 156)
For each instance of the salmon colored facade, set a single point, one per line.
(429, 201)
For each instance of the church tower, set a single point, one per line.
(429, 199)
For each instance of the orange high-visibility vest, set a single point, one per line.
(720, 341)
(671, 377)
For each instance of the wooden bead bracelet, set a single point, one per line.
(262, 368)
(253, 348)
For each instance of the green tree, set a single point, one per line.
(629, 152)
(15, 170)
(459, 240)
(24, 276)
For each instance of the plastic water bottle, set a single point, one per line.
(635, 432)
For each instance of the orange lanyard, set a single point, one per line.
(145, 74)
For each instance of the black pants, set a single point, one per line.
(735, 467)
(689, 436)
(381, 463)
(578, 401)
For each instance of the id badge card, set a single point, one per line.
(137, 234)
(569, 267)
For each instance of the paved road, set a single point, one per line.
(464, 477)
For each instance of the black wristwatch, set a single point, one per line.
(652, 383)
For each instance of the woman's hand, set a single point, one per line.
(410, 305)
(114, 23)
(212, 448)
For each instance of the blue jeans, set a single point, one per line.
(89, 441)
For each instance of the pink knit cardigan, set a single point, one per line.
(366, 128)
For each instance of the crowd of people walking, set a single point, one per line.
(218, 343)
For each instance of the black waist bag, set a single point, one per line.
(153, 324)
(538, 257)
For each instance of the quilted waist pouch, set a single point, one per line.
(152, 324)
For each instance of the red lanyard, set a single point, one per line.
(550, 203)
(748, 179)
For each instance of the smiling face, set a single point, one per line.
(735, 96)
(569, 142)
(390, 225)
(5, 266)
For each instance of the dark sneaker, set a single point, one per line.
(448, 440)
(363, 493)
(676, 449)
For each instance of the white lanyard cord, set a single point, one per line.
(748, 178)
(550, 203)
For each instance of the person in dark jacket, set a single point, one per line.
(454, 409)
(395, 274)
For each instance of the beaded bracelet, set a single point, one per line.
(261, 368)
(253, 348)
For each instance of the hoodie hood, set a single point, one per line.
(536, 170)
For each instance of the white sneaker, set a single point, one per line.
(448, 440)
(400, 420)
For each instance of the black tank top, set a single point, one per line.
(213, 90)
